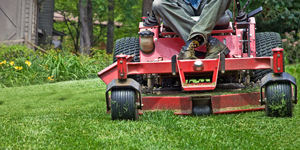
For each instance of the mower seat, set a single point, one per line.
(223, 22)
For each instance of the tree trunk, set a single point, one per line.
(85, 40)
(147, 7)
(110, 27)
(90, 20)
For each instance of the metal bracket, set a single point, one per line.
(222, 59)
(122, 66)
(174, 59)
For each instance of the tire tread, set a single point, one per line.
(265, 42)
(275, 93)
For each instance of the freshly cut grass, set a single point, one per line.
(72, 115)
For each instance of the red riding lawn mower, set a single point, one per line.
(146, 74)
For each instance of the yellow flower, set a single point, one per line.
(28, 63)
(50, 78)
(18, 68)
(3, 62)
(12, 63)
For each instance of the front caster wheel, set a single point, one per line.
(278, 99)
(124, 104)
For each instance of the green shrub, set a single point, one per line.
(291, 45)
(21, 66)
(277, 16)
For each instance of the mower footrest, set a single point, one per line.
(186, 67)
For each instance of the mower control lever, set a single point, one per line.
(150, 20)
(244, 17)
(245, 6)
(254, 12)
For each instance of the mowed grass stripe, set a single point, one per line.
(72, 115)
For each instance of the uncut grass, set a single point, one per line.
(20, 66)
(71, 115)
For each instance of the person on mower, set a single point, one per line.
(177, 14)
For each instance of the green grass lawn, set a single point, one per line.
(72, 115)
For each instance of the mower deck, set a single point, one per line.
(225, 101)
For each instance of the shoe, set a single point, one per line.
(188, 51)
(214, 47)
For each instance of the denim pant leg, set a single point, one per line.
(177, 14)
(210, 13)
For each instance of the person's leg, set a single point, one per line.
(210, 12)
(177, 14)
(213, 45)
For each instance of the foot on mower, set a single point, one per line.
(214, 47)
(188, 50)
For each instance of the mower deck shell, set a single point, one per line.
(159, 62)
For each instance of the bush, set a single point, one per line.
(277, 16)
(21, 66)
(291, 45)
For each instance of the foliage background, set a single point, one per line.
(126, 12)
(277, 16)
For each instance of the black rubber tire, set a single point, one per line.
(128, 46)
(265, 42)
(123, 104)
(278, 99)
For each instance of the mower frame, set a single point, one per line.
(241, 41)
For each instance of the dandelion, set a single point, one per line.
(3, 62)
(50, 78)
(28, 63)
(18, 68)
(12, 63)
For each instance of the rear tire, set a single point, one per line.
(128, 46)
(278, 100)
(123, 104)
(265, 42)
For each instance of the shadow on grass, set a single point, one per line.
(28, 107)
(1, 102)
(63, 98)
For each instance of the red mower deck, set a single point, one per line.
(148, 64)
